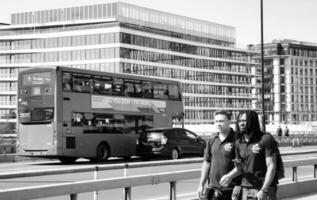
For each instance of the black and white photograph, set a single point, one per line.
(158, 100)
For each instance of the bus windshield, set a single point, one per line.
(36, 97)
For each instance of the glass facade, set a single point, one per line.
(124, 38)
(128, 13)
(292, 68)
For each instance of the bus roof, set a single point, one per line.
(99, 73)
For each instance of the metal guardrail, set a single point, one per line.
(97, 168)
(124, 166)
(74, 188)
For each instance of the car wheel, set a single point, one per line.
(175, 154)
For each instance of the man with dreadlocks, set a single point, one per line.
(255, 160)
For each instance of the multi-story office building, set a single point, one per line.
(290, 81)
(123, 38)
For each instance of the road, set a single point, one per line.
(154, 192)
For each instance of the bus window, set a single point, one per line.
(77, 119)
(129, 89)
(102, 85)
(67, 82)
(118, 86)
(81, 83)
(133, 88)
(133, 124)
(88, 119)
(89, 123)
(119, 124)
(147, 89)
(173, 92)
(147, 122)
(138, 89)
(160, 91)
(103, 122)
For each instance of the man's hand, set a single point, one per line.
(261, 195)
(200, 191)
(225, 180)
(238, 163)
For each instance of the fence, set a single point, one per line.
(289, 189)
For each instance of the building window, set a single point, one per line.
(282, 61)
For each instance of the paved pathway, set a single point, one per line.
(298, 149)
(304, 197)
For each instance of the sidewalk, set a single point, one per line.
(304, 197)
(289, 149)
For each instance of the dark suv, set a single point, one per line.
(169, 142)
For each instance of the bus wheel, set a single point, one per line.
(102, 152)
(175, 154)
(67, 160)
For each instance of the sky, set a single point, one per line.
(283, 19)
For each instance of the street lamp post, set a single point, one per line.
(262, 69)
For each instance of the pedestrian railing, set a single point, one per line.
(296, 186)
(293, 187)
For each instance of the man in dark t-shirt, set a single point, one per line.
(218, 157)
(255, 152)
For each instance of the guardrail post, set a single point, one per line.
(73, 196)
(295, 174)
(95, 178)
(125, 169)
(127, 193)
(315, 171)
(173, 190)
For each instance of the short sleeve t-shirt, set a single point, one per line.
(220, 154)
(254, 170)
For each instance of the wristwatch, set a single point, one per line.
(265, 190)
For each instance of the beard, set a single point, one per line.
(244, 131)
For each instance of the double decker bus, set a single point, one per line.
(69, 113)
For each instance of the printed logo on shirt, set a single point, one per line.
(228, 147)
(256, 148)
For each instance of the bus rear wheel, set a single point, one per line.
(67, 160)
(103, 152)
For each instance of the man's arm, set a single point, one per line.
(227, 178)
(203, 178)
(269, 176)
